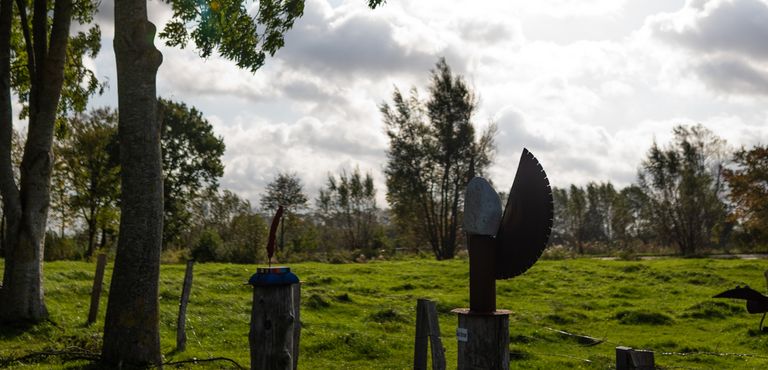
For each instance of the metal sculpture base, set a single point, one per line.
(483, 339)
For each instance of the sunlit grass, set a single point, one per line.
(362, 316)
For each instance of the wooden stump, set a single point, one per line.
(101, 263)
(275, 325)
(633, 359)
(483, 340)
(181, 324)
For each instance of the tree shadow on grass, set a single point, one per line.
(11, 330)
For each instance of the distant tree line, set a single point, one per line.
(692, 196)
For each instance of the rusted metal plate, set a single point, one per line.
(482, 208)
(756, 301)
(482, 282)
(527, 220)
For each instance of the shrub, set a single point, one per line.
(60, 248)
(643, 317)
(207, 246)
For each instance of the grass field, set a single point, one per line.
(362, 316)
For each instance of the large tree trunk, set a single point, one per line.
(8, 189)
(131, 328)
(22, 294)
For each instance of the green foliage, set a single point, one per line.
(191, 163)
(597, 214)
(60, 248)
(371, 325)
(225, 229)
(748, 183)
(347, 208)
(229, 27)
(286, 190)
(643, 317)
(241, 31)
(207, 247)
(79, 82)
(432, 155)
(86, 178)
(684, 184)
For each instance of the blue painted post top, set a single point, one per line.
(273, 276)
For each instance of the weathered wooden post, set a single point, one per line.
(427, 333)
(275, 326)
(181, 323)
(501, 246)
(633, 359)
(101, 263)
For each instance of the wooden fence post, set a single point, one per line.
(633, 359)
(296, 289)
(427, 328)
(275, 330)
(181, 324)
(483, 339)
(101, 263)
(766, 277)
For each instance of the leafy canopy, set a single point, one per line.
(241, 31)
(79, 81)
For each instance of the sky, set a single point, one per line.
(587, 86)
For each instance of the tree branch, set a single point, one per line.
(27, 37)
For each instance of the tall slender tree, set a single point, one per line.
(285, 190)
(684, 184)
(131, 328)
(49, 78)
(87, 157)
(748, 182)
(348, 206)
(433, 153)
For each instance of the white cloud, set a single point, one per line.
(724, 40)
(587, 104)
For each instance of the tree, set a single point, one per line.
(684, 185)
(432, 155)
(560, 230)
(17, 144)
(42, 63)
(595, 217)
(232, 232)
(131, 328)
(577, 215)
(348, 206)
(748, 183)
(191, 163)
(88, 160)
(285, 190)
(632, 217)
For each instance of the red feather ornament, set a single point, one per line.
(272, 232)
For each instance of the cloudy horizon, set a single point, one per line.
(587, 86)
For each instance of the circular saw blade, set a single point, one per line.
(527, 221)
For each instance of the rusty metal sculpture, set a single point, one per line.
(756, 301)
(501, 246)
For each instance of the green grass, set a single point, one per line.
(362, 316)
